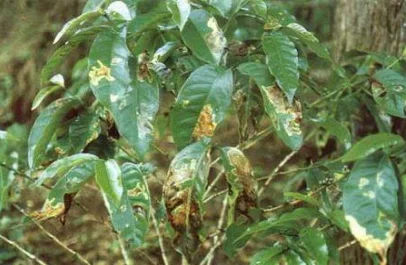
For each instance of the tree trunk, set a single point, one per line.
(370, 25)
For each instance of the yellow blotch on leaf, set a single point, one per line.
(98, 73)
(49, 210)
(205, 123)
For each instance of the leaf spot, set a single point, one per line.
(363, 182)
(99, 73)
(205, 123)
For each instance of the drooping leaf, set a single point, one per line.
(59, 198)
(315, 243)
(203, 36)
(109, 179)
(201, 104)
(268, 256)
(58, 57)
(61, 166)
(283, 62)
(257, 71)
(45, 126)
(75, 24)
(371, 203)
(285, 118)
(84, 129)
(183, 192)
(132, 103)
(180, 10)
(298, 31)
(243, 188)
(43, 94)
(371, 144)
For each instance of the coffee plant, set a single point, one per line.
(177, 75)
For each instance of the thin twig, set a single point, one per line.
(124, 252)
(25, 252)
(213, 183)
(347, 245)
(160, 239)
(215, 195)
(54, 238)
(216, 241)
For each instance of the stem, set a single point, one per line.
(124, 252)
(160, 240)
(25, 252)
(54, 238)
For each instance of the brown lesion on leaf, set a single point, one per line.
(205, 125)
(49, 210)
(99, 73)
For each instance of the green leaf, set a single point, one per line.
(283, 62)
(57, 201)
(84, 129)
(390, 92)
(136, 186)
(61, 166)
(201, 104)
(118, 11)
(227, 8)
(132, 103)
(58, 57)
(371, 144)
(257, 71)
(337, 129)
(292, 258)
(143, 22)
(180, 10)
(75, 24)
(6, 179)
(93, 5)
(45, 126)
(371, 203)
(203, 36)
(259, 7)
(43, 94)
(285, 118)
(302, 197)
(268, 256)
(315, 243)
(296, 30)
(108, 177)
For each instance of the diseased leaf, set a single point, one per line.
(283, 62)
(201, 104)
(180, 10)
(243, 188)
(285, 118)
(75, 24)
(298, 31)
(133, 103)
(203, 36)
(268, 256)
(44, 128)
(61, 166)
(59, 198)
(371, 144)
(315, 243)
(371, 203)
(58, 57)
(183, 192)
